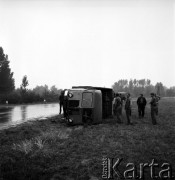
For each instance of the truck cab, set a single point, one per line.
(88, 105)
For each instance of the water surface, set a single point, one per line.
(12, 115)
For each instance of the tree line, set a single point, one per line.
(143, 86)
(9, 93)
(39, 94)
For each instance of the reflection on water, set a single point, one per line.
(23, 112)
(10, 115)
(5, 112)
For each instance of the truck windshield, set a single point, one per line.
(87, 99)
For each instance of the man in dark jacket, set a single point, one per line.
(153, 104)
(141, 103)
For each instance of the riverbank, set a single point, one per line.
(49, 149)
(29, 122)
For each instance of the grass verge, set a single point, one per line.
(48, 149)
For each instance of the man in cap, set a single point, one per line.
(61, 100)
(128, 104)
(153, 108)
(157, 102)
(117, 105)
(141, 103)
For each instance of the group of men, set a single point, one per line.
(141, 103)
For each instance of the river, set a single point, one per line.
(12, 115)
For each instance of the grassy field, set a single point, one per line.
(49, 149)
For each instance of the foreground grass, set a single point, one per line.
(49, 149)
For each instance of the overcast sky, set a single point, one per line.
(85, 42)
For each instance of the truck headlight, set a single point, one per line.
(70, 120)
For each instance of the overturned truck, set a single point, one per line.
(87, 104)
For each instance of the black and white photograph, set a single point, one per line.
(87, 89)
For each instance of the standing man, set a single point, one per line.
(61, 100)
(128, 105)
(157, 102)
(153, 108)
(141, 103)
(117, 105)
(122, 99)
